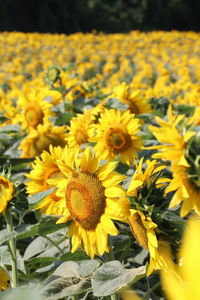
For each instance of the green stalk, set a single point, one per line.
(12, 248)
(109, 257)
(53, 243)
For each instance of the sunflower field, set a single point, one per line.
(100, 166)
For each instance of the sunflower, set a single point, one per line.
(181, 281)
(141, 177)
(183, 151)
(116, 133)
(186, 192)
(173, 142)
(143, 229)
(4, 280)
(6, 193)
(78, 133)
(44, 168)
(34, 110)
(41, 138)
(78, 130)
(136, 102)
(91, 197)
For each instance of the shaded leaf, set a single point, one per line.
(112, 276)
(68, 280)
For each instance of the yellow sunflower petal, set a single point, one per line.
(113, 192)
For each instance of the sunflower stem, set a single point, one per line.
(114, 296)
(151, 289)
(12, 248)
(53, 243)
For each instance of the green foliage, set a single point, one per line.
(112, 277)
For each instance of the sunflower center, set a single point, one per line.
(85, 199)
(117, 140)
(133, 107)
(81, 136)
(43, 143)
(33, 115)
(138, 230)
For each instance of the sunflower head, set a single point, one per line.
(85, 198)
(91, 197)
(147, 184)
(34, 110)
(78, 130)
(116, 133)
(43, 169)
(33, 114)
(173, 135)
(41, 138)
(136, 102)
(4, 280)
(144, 231)
(184, 277)
(6, 193)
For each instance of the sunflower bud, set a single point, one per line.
(4, 280)
(52, 74)
(6, 193)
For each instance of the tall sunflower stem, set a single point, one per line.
(109, 257)
(53, 243)
(151, 289)
(114, 296)
(12, 248)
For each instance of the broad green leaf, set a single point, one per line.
(68, 280)
(10, 128)
(5, 258)
(42, 246)
(43, 228)
(5, 236)
(112, 276)
(86, 267)
(15, 161)
(38, 262)
(5, 137)
(76, 256)
(30, 292)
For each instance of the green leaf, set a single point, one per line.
(43, 228)
(10, 128)
(5, 137)
(86, 267)
(68, 280)
(5, 258)
(36, 198)
(42, 245)
(15, 161)
(5, 236)
(38, 262)
(78, 255)
(112, 276)
(29, 291)
(64, 119)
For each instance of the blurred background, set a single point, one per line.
(69, 16)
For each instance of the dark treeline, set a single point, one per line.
(69, 16)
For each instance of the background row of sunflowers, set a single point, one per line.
(100, 166)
